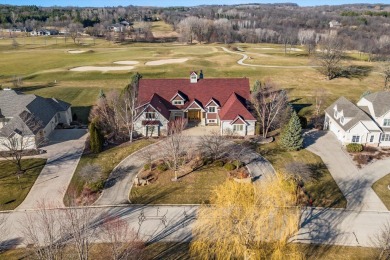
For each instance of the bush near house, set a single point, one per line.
(354, 148)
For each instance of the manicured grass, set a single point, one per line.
(107, 160)
(381, 189)
(193, 188)
(323, 189)
(40, 65)
(173, 250)
(12, 190)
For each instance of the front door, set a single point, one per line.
(194, 115)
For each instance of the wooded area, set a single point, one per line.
(362, 27)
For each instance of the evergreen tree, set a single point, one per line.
(95, 138)
(291, 137)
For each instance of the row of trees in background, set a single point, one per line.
(253, 23)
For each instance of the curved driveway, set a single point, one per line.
(121, 179)
(354, 183)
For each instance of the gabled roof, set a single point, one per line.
(28, 111)
(350, 110)
(213, 102)
(179, 94)
(234, 107)
(195, 104)
(161, 105)
(238, 121)
(218, 88)
(380, 102)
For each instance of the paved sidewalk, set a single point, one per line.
(354, 183)
(64, 151)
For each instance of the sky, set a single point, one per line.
(101, 3)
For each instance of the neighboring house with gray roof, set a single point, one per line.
(367, 123)
(30, 117)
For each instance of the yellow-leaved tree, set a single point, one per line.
(248, 221)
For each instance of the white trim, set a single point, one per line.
(200, 107)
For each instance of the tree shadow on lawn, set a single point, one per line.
(153, 196)
(356, 72)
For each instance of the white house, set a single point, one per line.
(204, 102)
(31, 117)
(367, 123)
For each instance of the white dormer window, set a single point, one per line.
(178, 102)
(342, 120)
(386, 122)
(194, 77)
(336, 114)
(150, 115)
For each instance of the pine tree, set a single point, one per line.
(291, 137)
(95, 138)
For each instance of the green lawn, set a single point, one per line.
(193, 188)
(323, 189)
(107, 160)
(41, 65)
(13, 191)
(382, 190)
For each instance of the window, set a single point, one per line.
(336, 114)
(342, 120)
(386, 122)
(211, 109)
(212, 121)
(150, 115)
(150, 130)
(355, 139)
(177, 102)
(238, 127)
(372, 139)
(385, 137)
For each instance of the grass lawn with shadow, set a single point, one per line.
(107, 160)
(381, 189)
(12, 190)
(193, 188)
(322, 189)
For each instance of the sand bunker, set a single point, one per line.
(104, 69)
(265, 48)
(126, 62)
(162, 62)
(76, 51)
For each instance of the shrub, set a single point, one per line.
(207, 161)
(237, 163)
(162, 167)
(96, 186)
(219, 163)
(229, 166)
(354, 148)
(362, 159)
(147, 166)
(291, 136)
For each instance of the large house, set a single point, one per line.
(366, 123)
(30, 117)
(216, 101)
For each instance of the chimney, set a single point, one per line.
(201, 74)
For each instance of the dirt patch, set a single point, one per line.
(163, 62)
(126, 62)
(76, 51)
(104, 69)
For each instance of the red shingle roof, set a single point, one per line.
(234, 107)
(203, 90)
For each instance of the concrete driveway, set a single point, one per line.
(354, 183)
(120, 182)
(64, 150)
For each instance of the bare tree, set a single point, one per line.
(329, 57)
(74, 30)
(128, 105)
(212, 145)
(43, 232)
(386, 75)
(174, 146)
(320, 95)
(78, 222)
(269, 102)
(382, 242)
(123, 242)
